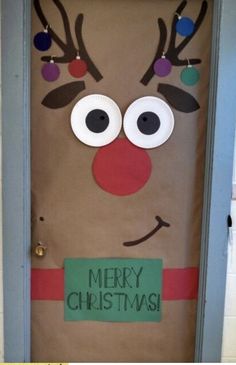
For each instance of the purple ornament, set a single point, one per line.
(50, 71)
(162, 67)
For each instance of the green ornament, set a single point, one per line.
(190, 75)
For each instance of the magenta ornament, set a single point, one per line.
(50, 71)
(162, 67)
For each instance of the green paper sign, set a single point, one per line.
(117, 290)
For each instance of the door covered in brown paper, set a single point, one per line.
(119, 99)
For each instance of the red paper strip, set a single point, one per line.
(47, 284)
(178, 284)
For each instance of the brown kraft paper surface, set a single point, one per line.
(81, 219)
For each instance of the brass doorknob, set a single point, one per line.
(40, 249)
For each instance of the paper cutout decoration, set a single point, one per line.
(184, 26)
(43, 40)
(190, 75)
(160, 223)
(77, 68)
(96, 120)
(117, 290)
(178, 98)
(63, 95)
(121, 168)
(50, 71)
(68, 47)
(178, 284)
(148, 122)
(162, 66)
(47, 284)
(173, 47)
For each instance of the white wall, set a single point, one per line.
(229, 335)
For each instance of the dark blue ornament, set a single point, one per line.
(185, 26)
(42, 41)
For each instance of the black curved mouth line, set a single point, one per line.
(160, 224)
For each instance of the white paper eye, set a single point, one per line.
(148, 122)
(96, 120)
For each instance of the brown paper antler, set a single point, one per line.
(64, 94)
(68, 48)
(179, 99)
(172, 51)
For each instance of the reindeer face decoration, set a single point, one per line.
(121, 165)
(118, 159)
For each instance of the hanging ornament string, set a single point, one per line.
(43, 40)
(184, 25)
(162, 66)
(189, 75)
(78, 67)
(50, 71)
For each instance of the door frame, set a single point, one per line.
(16, 44)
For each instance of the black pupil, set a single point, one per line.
(148, 123)
(97, 121)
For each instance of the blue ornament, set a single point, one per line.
(185, 26)
(43, 40)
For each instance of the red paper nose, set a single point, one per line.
(121, 168)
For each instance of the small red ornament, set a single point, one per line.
(77, 68)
